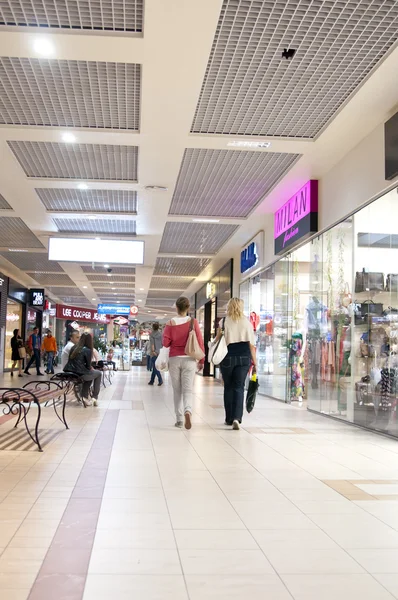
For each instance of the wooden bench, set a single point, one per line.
(18, 402)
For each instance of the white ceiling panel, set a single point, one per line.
(15, 234)
(250, 89)
(226, 183)
(195, 238)
(110, 226)
(77, 161)
(69, 93)
(69, 200)
(96, 15)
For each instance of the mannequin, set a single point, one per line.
(295, 362)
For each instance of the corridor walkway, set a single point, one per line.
(124, 506)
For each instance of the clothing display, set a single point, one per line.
(295, 364)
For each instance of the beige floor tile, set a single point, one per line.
(220, 562)
(225, 539)
(135, 538)
(329, 560)
(127, 587)
(336, 586)
(236, 587)
(389, 581)
(129, 561)
(16, 581)
(15, 594)
(299, 540)
(377, 560)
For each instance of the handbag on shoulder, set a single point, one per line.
(369, 282)
(192, 347)
(218, 350)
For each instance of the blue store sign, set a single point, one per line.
(113, 309)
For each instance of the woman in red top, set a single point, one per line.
(182, 367)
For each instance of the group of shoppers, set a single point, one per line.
(34, 348)
(240, 341)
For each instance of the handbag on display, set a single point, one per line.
(192, 347)
(363, 391)
(392, 283)
(369, 282)
(346, 297)
(218, 350)
(367, 309)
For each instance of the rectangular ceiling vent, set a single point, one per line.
(70, 93)
(183, 267)
(55, 160)
(52, 279)
(98, 201)
(60, 291)
(100, 270)
(226, 183)
(111, 16)
(3, 203)
(113, 279)
(15, 234)
(32, 262)
(195, 238)
(250, 88)
(109, 226)
(170, 283)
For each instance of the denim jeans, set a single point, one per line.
(50, 362)
(155, 372)
(93, 377)
(35, 357)
(234, 370)
(148, 362)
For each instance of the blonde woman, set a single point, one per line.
(240, 340)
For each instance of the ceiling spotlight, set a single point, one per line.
(68, 137)
(113, 288)
(149, 311)
(44, 47)
(117, 301)
(139, 300)
(97, 238)
(106, 266)
(156, 188)
(84, 287)
(82, 186)
(115, 294)
(141, 289)
(242, 144)
(206, 220)
(93, 298)
(109, 275)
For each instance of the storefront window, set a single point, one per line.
(13, 321)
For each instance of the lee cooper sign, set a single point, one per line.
(81, 314)
(297, 218)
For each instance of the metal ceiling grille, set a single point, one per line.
(74, 300)
(77, 161)
(69, 200)
(101, 270)
(165, 303)
(103, 15)
(226, 183)
(60, 291)
(113, 279)
(118, 226)
(183, 267)
(170, 283)
(32, 262)
(15, 234)
(70, 93)
(120, 297)
(196, 238)
(52, 279)
(163, 294)
(249, 89)
(4, 204)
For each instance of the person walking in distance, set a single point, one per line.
(49, 346)
(34, 346)
(80, 359)
(147, 350)
(155, 341)
(240, 340)
(16, 344)
(182, 367)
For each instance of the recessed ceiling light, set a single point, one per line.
(68, 137)
(91, 217)
(84, 287)
(241, 144)
(115, 294)
(97, 238)
(118, 302)
(17, 250)
(113, 288)
(206, 220)
(106, 266)
(43, 46)
(139, 300)
(109, 275)
(141, 289)
(149, 311)
(156, 188)
(83, 186)
(93, 298)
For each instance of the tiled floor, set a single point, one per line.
(123, 505)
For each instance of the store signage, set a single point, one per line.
(121, 321)
(297, 219)
(12, 317)
(251, 256)
(36, 298)
(210, 290)
(32, 315)
(81, 314)
(114, 309)
(133, 311)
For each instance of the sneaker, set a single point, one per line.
(95, 402)
(188, 422)
(179, 424)
(236, 425)
(87, 401)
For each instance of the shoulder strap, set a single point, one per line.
(223, 325)
(192, 324)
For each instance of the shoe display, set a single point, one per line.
(188, 422)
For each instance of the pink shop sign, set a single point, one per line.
(297, 219)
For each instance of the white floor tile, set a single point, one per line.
(127, 587)
(336, 586)
(220, 562)
(131, 561)
(236, 587)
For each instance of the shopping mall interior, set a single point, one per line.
(211, 150)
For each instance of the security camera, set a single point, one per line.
(109, 270)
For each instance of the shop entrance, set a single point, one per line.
(209, 333)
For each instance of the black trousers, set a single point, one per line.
(234, 370)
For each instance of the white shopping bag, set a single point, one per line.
(162, 361)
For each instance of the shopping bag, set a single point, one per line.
(162, 361)
(22, 352)
(251, 393)
(192, 347)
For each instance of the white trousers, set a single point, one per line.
(182, 373)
